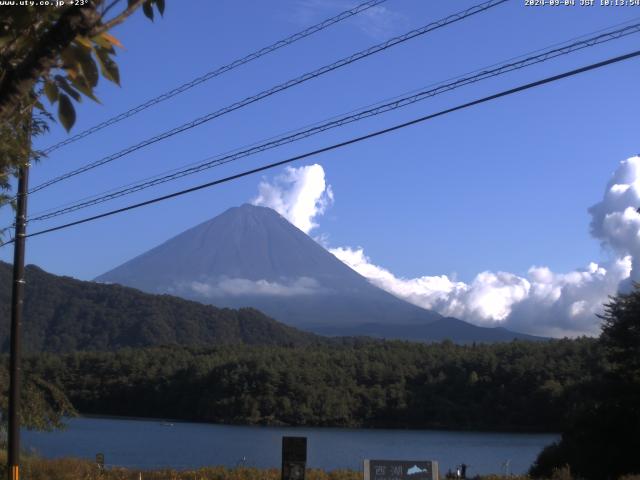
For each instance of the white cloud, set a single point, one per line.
(306, 12)
(244, 286)
(544, 302)
(299, 195)
(541, 302)
(615, 220)
(567, 304)
(378, 22)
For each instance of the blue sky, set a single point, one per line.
(498, 187)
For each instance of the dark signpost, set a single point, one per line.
(294, 458)
(100, 461)
(400, 470)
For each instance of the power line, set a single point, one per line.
(396, 97)
(347, 142)
(283, 86)
(212, 162)
(217, 72)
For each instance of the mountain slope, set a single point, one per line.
(252, 256)
(443, 329)
(62, 314)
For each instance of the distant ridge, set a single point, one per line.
(62, 314)
(252, 256)
(444, 329)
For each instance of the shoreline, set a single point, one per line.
(313, 427)
(141, 443)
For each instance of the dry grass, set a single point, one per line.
(34, 468)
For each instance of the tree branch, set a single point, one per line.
(117, 20)
(106, 9)
(17, 82)
(82, 20)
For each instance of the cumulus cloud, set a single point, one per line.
(541, 302)
(616, 218)
(567, 304)
(243, 286)
(299, 195)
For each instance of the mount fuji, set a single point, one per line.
(252, 256)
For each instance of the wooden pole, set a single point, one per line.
(17, 300)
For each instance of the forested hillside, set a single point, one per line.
(62, 314)
(509, 386)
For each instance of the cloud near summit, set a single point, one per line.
(244, 286)
(299, 195)
(543, 302)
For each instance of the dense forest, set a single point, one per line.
(64, 315)
(510, 386)
(601, 434)
(239, 366)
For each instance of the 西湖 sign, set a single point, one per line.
(400, 470)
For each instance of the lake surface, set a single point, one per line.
(149, 444)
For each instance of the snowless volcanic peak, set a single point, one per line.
(252, 256)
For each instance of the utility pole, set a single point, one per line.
(17, 300)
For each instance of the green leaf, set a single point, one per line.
(84, 88)
(51, 91)
(160, 6)
(108, 67)
(84, 41)
(103, 43)
(66, 112)
(87, 64)
(64, 85)
(68, 59)
(111, 39)
(39, 106)
(148, 9)
(90, 71)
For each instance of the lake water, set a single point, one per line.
(149, 444)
